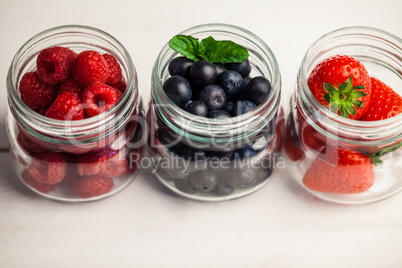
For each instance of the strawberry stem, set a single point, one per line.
(375, 158)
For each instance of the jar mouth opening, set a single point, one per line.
(316, 51)
(218, 125)
(76, 126)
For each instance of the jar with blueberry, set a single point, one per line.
(74, 115)
(215, 118)
(343, 135)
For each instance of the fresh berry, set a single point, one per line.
(385, 102)
(202, 73)
(180, 66)
(72, 86)
(231, 82)
(120, 85)
(29, 146)
(341, 171)
(36, 94)
(48, 167)
(258, 89)
(92, 186)
(341, 84)
(115, 74)
(219, 114)
(39, 186)
(193, 154)
(102, 163)
(242, 107)
(204, 181)
(243, 153)
(196, 108)
(222, 189)
(243, 68)
(213, 96)
(220, 68)
(242, 178)
(229, 106)
(292, 142)
(54, 64)
(67, 106)
(90, 67)
(98, 98)
(178, 89)
(185, 186)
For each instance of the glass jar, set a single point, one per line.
(317, 139)
(216, 159)
(82, 160)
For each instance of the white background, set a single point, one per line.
(145, 225)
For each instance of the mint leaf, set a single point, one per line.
(208, 49)
(228, 51)
(186, 45)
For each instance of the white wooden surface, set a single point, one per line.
(145, 225)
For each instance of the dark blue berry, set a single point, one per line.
(203, 181)
(202, 73)
(213, 96)
(243, 68)
(242, 178)
(258, 89)
(244, 153)
(242, 107)
(229, 106)
(185, 186)
(193, 154)
(231, 82)
(222, 189)
(220, 154)
(180, 66)
(219, 114)
(178, 89)
(197, 108)
(220, 68)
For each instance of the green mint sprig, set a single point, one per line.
(221, 51)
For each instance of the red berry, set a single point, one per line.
(36, 94)
(72, 86)
(114, 70)
(90, 67)
(29, 146)
(385, 102)
(103, 163)
(341, 84)
(98, 98)
(54, 64)
(48, 167)
(67, 106)
(87, 187)
(39, 186)
(120, 85)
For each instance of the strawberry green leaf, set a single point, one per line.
(327, 97)
(350, 108)
(186, 45)
(344, 112)
(358, 94)
(375, 158)
(334, 107)
(357, 103)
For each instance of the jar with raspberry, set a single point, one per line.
(74, 119)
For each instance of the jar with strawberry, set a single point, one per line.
(343, 134)
(74, 115)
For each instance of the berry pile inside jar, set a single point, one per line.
(343, 85)
(212, 79)
(69, 86)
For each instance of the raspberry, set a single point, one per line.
(39, 186)
(36, 94)
(103, 163)
(48, 167)
(67, 106)
(114, 70)
(98, 98)
(87, 187)
(90, 67)
(54, 64)
(72, 86)
(119, 94)
(28, 145)
(120, 85)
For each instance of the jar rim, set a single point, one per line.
(328, 117)
(219, 125)
(55, 126)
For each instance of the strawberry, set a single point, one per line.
(335, 82)
(340, 171)
(385, 102)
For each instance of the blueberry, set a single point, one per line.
(244, 152)
(178, 89)
(202, 73)
(213, 96)
(180, 66)
(193, 154)
(168, 140)
(222, 189)
(197, 108)
(219, 114)
(242, 178)
(243, 68)
(220, 154)
(229, 106)
(220, 67)
(242, 107)
(185, 186)
(203, 181)
(231, 82)
(258, 89)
